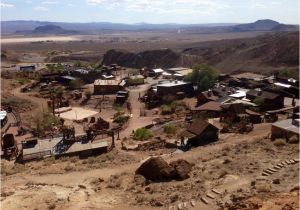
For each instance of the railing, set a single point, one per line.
(37, 155)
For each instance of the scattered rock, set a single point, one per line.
(139, 180)
(276, 181)
(182, 168)
(82, 186)
(156, 169)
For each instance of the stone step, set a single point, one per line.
(180, 206)
(268, 171)
(210, 196)
(272, 169)
(277, 167)
(216, 191)
(280, 165)
(193, 203)
(297, 160)
(265, 174)
(287, 162)
(292, 161)
(204, 200)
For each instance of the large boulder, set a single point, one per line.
(182, 168)
(156, 169)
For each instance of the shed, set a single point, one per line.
(200, 133)
(271, 100)
(173, 87)
(107, 86)
(284, 129)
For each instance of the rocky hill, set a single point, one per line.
(263, 53)
(153, 58)
(48, 29)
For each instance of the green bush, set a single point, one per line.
(121, 120)
(170, 129)
(22, 80)
(259, 101)
(166, 109)
(88, 94)
(142, 134)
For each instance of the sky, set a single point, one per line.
(152, 11)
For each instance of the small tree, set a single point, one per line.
(88, 94)
(259, 101)
(204, 76)
(75, 84)
(170, 129)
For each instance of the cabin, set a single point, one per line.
(205, 97)
(174, 88)
(108, 86)
(233, 112)
(271, 100)
(209, 109)
(200, 133)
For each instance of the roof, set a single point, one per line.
(3, 114)
(198, 126)
(68, 77)
(178, 69)
(264, 94)
(238, 108)
(158, 70)
(106, 82)
(209, 95)
(282, 84)
(287, 125)
(248, 111)
(248, 75)
(209, 106)
(82, 71)
(172, 84)
(238, 94)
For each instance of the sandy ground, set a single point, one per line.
(77, 113)
(39, 39)
(50, 184)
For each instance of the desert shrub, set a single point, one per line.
(279, 142)
(23, 80)
(293, 140)
(265, 187)
(69, 168)
(170, 129)
(289, 73)
(142, 134)
(51, 206)
(259, 101)
(114, 181)
(75, 84)
(166, 109)
(121, 120)
(88, 94)
(223, 173)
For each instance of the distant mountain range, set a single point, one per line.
(40, 27)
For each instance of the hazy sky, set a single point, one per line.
(152, 11)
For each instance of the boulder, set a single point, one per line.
(156, 169)
(182, 168)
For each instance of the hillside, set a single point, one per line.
(152, 58)
(11, 27)
(263, 53)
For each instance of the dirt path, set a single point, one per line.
(39, 103)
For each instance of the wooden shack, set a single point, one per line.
(200, 132)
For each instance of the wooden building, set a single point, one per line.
(271, 100)
(107, 86)
(200, 133)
